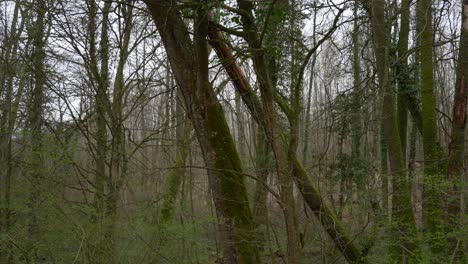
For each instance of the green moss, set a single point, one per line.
(233, 188)
(433, 189)
(326, 215)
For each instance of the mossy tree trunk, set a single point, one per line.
(100, 250)
(295, 100)
(262, 170)
(183, 131)
(8, 119)
(118, 161)
(35, 123)
(266, 69)
(403, 228)
(433, 186)
(311, 195)
(356, 93)
(384, 172)
(402, 72)
(109, 118)
(457, 143)
(189, 63)
(240, 131)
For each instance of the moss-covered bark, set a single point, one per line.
(109, 158)
(433, 185)
(118, 162)
(35, 123)
(177, 173)
(8, 120)
(265, 66)
(402, 72)
(356, 94)
(102, 249)
(403, 228)
(308, 190)
(190, 66)
(384, 171)
(457, 143)
(262, 164)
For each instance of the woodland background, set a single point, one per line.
(199, 131)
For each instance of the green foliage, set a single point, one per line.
(343, 108)
(350, 169)
(181, 241)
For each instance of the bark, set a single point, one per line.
(118, 165)
(305, 149)
(9, 113)
(177, 173)
(262, 163)
(103, 247)
(240, 131)
(356, 106)
(384, 173)
(189, 63)
(433, 188)
(100, 81)
(8, 55)
(265, 69)
(309, 192)
(35, 123)
(296, 89)
(457, 143)
(403, 227)
(402, 72)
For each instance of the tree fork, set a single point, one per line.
(189, 63)
(310, 193)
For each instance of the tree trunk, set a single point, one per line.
(309, 192)
(402, 72)
(35, 122)
(356, 93)
(262, 167)
(265, 66)
(9, 113)
(457, 143)
(433, 188)
(404, 244)
(190, 66)
(102, 248)
(176, 174)
(118, 166)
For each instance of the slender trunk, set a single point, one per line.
(117, 156)
(262, 167)
(294, 239)
(305, 147)
(103, 247)
(177, 174)
(101, 82)
(402, 72)
(305, 151)
(35, 123)
(433, 188)
(356, 93)
(240, 131)
(384, 173)
(9, 111)
(265, 67)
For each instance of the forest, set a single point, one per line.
(236, 131)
